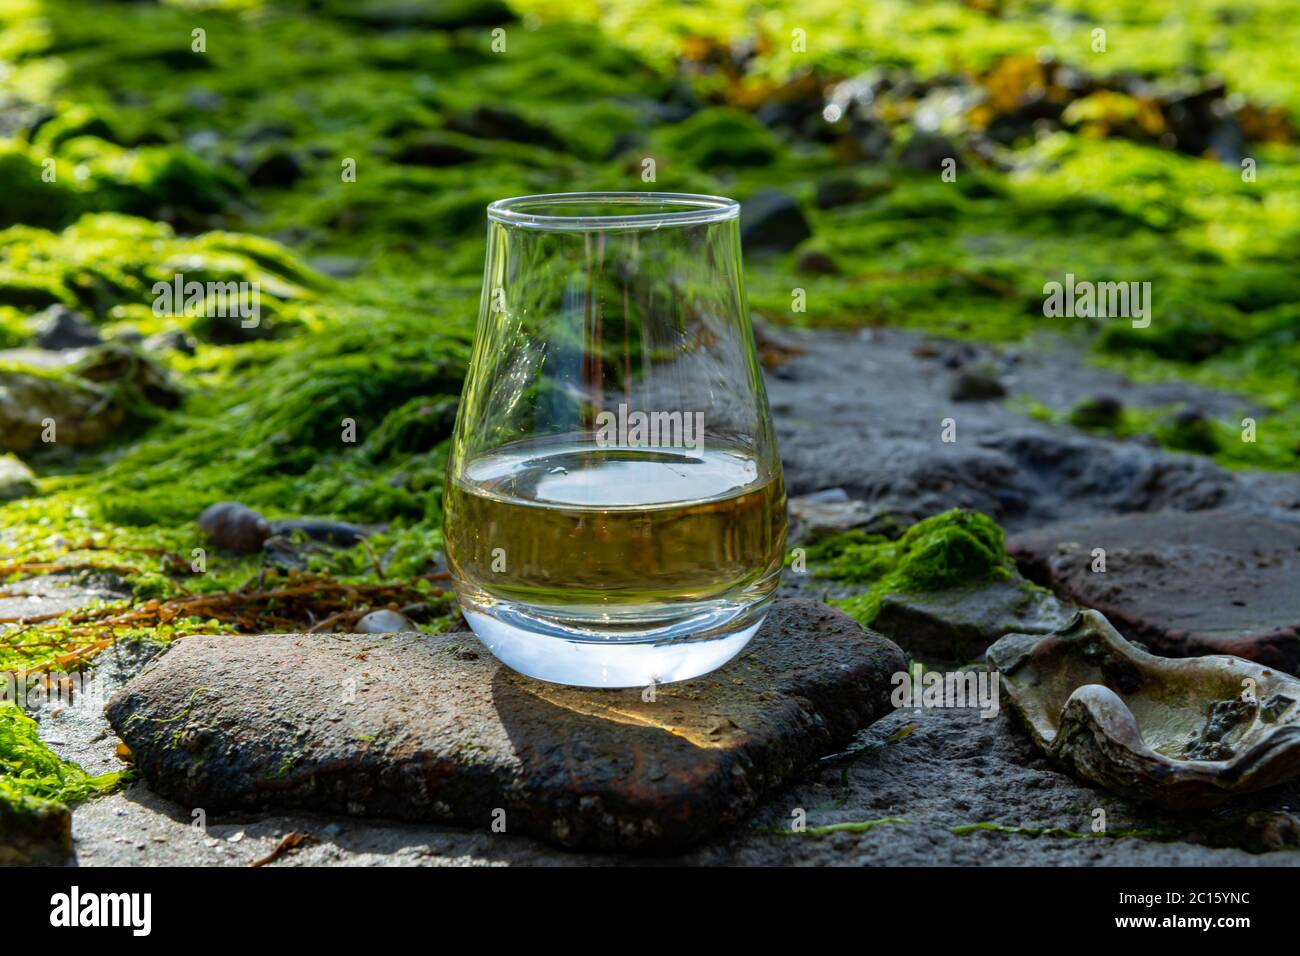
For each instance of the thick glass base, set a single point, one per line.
(583, 654)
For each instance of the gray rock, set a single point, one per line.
(383, 622)
(774, 347)
(59, 328)
(957, 354)
(827, 496)
(976, 384)
(959, 624)
(172, 341)
(82, 414)
(430, 727)
(926, 153)
(1097, 411)
(337, 267)
(811, 515)
(204, 100)
(977, 792)
(1210, 582)
(57, 594)
(16, 479)
(40, 359)
(771, 221)
(333, 532)
(235, 527)
(860, 412)
(817, 263)
(947, 773)
(275, 169)
(118, 364)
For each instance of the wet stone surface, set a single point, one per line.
(1213, 582)
(962, 783)
(52, 594)
(865, 412)
(959, 624)
(431, 728)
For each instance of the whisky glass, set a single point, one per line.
(614, 510)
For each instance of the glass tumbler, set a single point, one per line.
(614, 511)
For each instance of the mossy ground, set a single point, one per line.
(230, 164)
(31, 773)
(943, 551)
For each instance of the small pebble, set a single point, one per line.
(976, 384)
(59, 328)
(384, 622)
(235, 527)
(172, 341)
(1099, 411)
(817, 263)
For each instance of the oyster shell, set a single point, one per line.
(1187, 732)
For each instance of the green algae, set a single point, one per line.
(31, 773)
(854, 826)
(722, 137)
(1163, 36)
(1251, 439)
(1035, 832)
(943, 551)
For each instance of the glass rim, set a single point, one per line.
(695, 209)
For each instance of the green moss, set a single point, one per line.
(855, 826)
(1150, 834)
(722, 137)
(1189, 433)
(1163, 36)
(944, 551)
(73, 120)
(856, 557)
(107, 264)
(1096, 413)
(28, 196)
(30, 771)
(1179, 339)
(1270, 440)
(413, 428)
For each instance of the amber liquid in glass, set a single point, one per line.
(624, 532)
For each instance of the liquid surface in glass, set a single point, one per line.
(585, 528)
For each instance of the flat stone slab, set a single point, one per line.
(431, 728)
(959, 624)
(55, 594)
(1183, 583)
